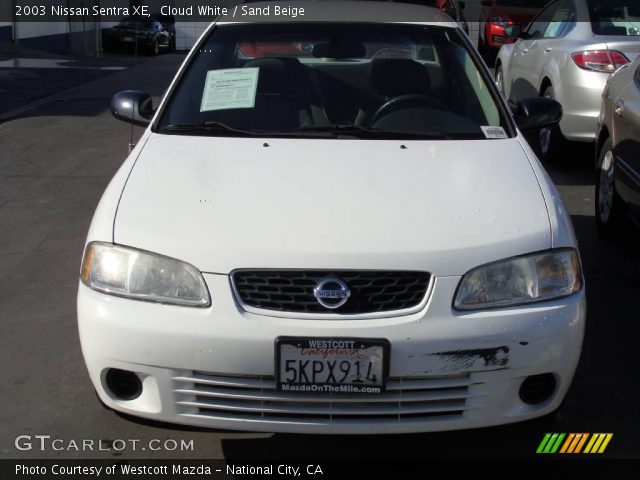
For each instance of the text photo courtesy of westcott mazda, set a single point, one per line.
(367, 218)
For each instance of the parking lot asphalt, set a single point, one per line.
(57, 155)
(28, 75)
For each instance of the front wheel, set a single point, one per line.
(609, 206)
(500, 79)
(551, 139)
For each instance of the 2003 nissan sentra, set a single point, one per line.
(332, 225)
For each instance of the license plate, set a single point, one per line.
(331, 365)
(127, 39)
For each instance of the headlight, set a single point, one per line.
(517, 281)
(131, 273)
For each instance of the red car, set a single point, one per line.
(496, 15)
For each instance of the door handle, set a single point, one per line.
(619, 108)
(548, 49)
(525, 51)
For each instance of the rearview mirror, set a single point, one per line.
(536, 113)
(132, 106)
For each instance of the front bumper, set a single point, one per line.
(215, 367)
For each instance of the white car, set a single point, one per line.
(332, 225)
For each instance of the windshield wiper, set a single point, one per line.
(363, 132)
(206, 127)
(217, 128)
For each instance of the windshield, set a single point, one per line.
(615, 17)
(356, 79)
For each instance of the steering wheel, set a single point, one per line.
(402, 101)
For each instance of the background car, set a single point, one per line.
(567, 52)
(618, 152)
(496, 15)
(169, 24)
(149, 34)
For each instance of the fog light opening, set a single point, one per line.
(123, 385)
(537, 389)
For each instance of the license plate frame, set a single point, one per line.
(381, 347)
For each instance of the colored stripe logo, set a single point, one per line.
(574, 443)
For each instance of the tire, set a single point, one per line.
(609, 206)
(500, 79)
(154, 50)
(550, 140)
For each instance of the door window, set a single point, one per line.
(539, 25)
(562, 21)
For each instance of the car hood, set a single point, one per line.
(227, 203)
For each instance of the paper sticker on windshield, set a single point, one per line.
(230, 88)
(494, 132)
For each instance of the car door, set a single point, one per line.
(626, 128)
(522, 74)
(550, 48)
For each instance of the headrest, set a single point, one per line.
(393, 77)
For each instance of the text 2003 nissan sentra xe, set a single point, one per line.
(332, 225)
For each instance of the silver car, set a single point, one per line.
(567, 53)
(618, 154)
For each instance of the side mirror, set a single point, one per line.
(462, 5)
(513, 30)
(132, 106)
(536, 113)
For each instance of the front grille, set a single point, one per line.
(256, 398)
(292, 290)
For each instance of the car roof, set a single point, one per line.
(347, 11)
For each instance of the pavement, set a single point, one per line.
(58, 153)
(28, 75)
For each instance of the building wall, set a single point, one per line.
(6, 27)
(472, 13)
(79, 36)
